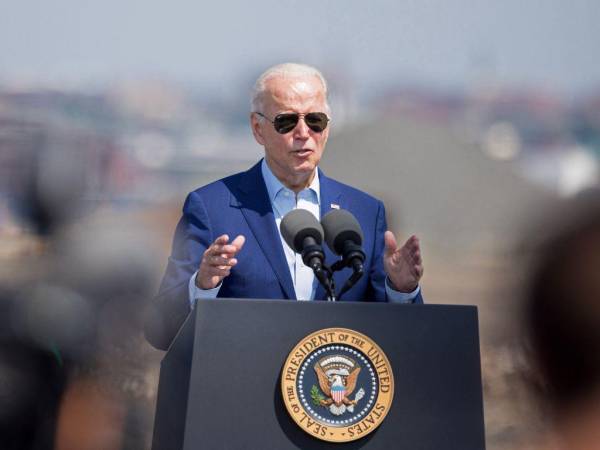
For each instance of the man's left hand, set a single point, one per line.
(403, 265)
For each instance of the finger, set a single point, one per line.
(217, 244)
(228, 249)
(223, 239)
(219, 260)
(417, 257)
(413, 253)
(390, 243)
(411, 248)
(412, 243)
(418, 271)
(238, 242)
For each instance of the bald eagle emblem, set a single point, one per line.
(337, 375)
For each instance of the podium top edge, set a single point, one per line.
(313, 303)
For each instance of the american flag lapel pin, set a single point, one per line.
(335, 206)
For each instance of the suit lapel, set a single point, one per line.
(253, 201)
(331, 196)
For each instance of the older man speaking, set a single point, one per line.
(228, 243)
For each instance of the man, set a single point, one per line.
(289, 118)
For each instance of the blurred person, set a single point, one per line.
(50, 394)
(32, 382)
(562, 326)
(91, 417)
(228, 243)
(46, 404)
(70, 363)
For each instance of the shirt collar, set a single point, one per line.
(274, 185)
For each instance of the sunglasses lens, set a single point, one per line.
(284, 123)
(316, 121)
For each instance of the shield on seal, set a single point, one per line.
(338, 393)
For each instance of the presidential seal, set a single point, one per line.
(337, 384)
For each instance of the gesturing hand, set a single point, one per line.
(403, 265)
(218, 260)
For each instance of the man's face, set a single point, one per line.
(292, 156)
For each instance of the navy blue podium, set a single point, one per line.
(220, 379)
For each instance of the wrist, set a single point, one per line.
(404, 288)
(201, 284)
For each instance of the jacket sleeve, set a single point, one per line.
(169, 309)
(377, 273)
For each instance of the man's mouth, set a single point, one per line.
(303, 152)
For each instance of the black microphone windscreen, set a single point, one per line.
(299, 224)
(341, 226)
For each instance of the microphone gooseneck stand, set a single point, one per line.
(313, 257)
(353, 258)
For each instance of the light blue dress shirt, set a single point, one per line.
(283, 200)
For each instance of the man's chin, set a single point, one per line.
(305, 167)
(306, 164)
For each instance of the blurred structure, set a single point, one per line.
(73, 289)
(562, 324)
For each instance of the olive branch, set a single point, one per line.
(316, 395)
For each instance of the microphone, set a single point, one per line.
(344, 237)
(304, 234)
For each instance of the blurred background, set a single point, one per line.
(472, 121)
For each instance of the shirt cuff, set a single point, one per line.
(400, 297)
(196, 293)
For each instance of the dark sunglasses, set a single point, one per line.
(286, 122)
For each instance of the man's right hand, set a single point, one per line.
(217, 261)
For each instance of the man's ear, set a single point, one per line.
(256, 125)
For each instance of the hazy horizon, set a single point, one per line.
(548, 45)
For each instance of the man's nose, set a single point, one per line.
(301, 130)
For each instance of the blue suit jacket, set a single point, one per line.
(240, 204)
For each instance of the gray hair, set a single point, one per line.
(285, 70)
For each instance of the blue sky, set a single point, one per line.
(550, 44)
